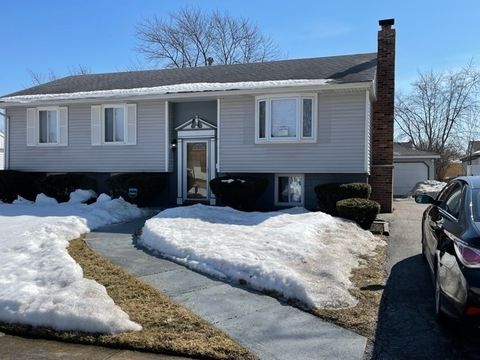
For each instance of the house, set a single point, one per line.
(298, 123)
(471, 161)
(2, 150)
(411, 166)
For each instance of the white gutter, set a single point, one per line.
(415, 157)
(199, 90)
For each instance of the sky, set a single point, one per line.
(46, 35)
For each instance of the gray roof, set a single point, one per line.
(406, 149)
(343, 69)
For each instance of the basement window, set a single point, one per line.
(289, 189)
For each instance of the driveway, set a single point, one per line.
(407, 328)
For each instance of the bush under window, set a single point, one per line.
(329, 194)
(59, 186)
(14, 183)
(148, 186)
(362, 211)
(238, 192)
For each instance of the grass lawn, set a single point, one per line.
(167, 326)
(369, 281)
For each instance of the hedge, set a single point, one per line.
(362, 211)
(148, 185)
(238, 192)
(329, 194)
(59, 186)
(14, 183)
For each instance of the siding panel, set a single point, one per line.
(340, 146)
(80, 155)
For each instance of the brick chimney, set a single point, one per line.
(381, 176)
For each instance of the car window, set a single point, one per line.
(445, 191)
(453, 201)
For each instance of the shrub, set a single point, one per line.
(59, 186)
(329, 194)
(238, 192)
(149, 185)
(14, 183)
(362, 211)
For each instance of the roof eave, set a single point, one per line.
(364, 85)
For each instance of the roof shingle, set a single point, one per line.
(342, 69)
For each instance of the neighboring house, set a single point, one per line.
(471, 161)
(410, 167)
(2, 150)
(297, 122)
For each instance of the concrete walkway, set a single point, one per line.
(269, 328)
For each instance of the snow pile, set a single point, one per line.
(428, 187)
(43, 199)
(40, 284)
(80, 196)
(169, 89)
(307, 256)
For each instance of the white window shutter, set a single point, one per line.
(96, 124)
(131, 124)
(63, 112)
(31, 127)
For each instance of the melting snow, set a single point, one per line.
(307, 256)
(40, 284)
(168, 89)
(429, 187)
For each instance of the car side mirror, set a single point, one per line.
(424, 199)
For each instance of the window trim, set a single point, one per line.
(125, 125)
(276, 200)
(299, 138)
(37, 125)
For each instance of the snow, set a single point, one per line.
(43, 199)
(229, 181)
(40, 284)
(306, 256)
(103, 198)
(429, 187)
(80, 196)
(168, 89)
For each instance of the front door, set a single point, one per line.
(195, 171)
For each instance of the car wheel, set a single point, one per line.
(439, 314)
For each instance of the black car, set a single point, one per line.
(451, 246)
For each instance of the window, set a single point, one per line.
(289, 189)
(453, 201)
(286, 118)
(48, 126)
(114, 124)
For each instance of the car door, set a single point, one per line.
(444, 221)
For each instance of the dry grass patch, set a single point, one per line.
(167, 326)
(369, 281)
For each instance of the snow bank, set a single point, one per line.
(40, 284)
(307, 256)
(429, 187)
(169, 89)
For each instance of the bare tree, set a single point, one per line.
(38, 78)
(440, 113)
(192, 38)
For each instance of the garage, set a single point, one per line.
(410, 167)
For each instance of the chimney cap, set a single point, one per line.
(386, 22)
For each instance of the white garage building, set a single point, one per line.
(411, 166)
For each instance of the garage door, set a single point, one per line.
(406, 175)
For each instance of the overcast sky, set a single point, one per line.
(58, 35)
